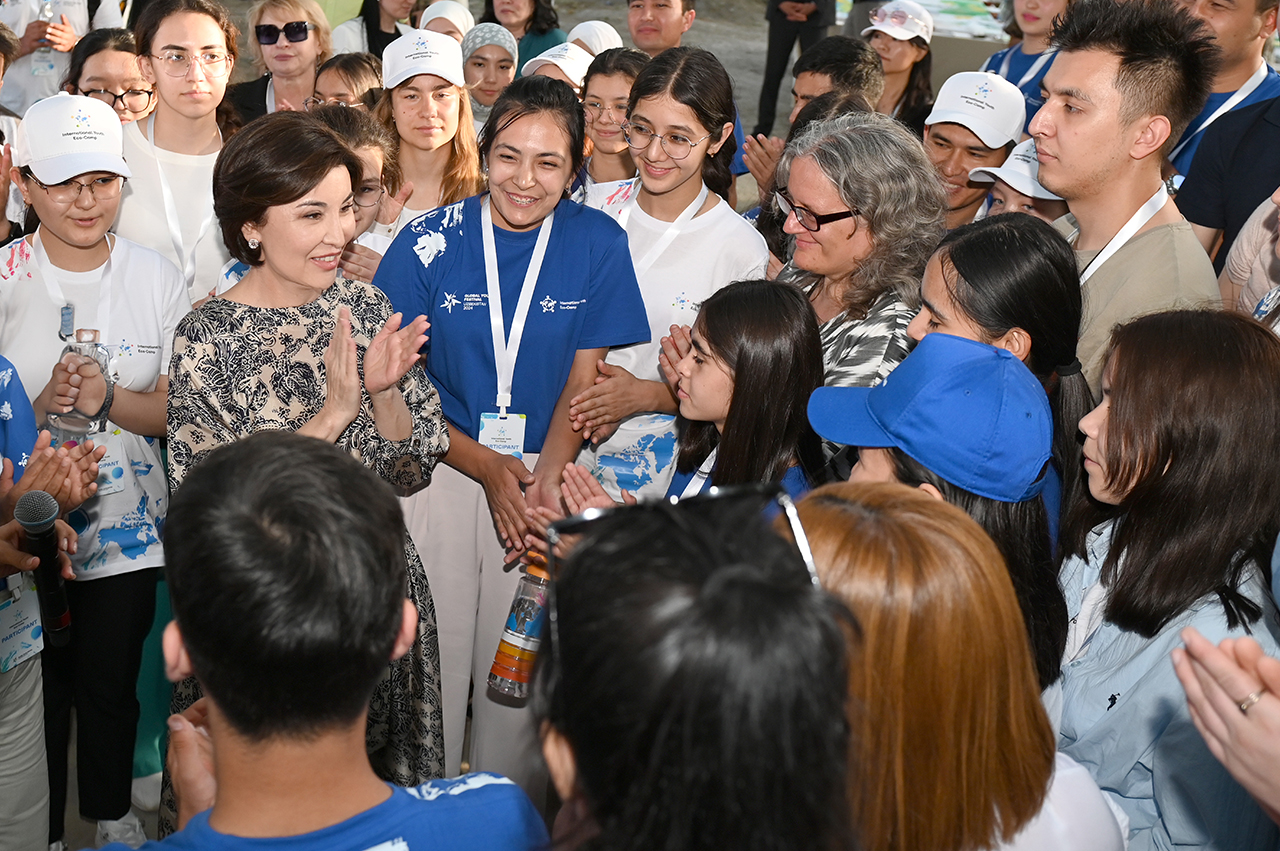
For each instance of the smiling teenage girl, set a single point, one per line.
(525, 291)
(606, 90)
(686, 243)
(186, 50)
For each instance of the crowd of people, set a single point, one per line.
(923, 506)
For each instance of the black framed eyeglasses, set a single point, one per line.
(134, 100)
(808, 219)
(294, 31)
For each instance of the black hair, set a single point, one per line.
(695, 78)
(825, 106)
(155, 12)
(623, 61)
(850, 63)
(358, 129)
(1009, 272)
(1168, 59)
(532, 96)
(358, 69)
(1020, 530)
(274, 160)
(286, 567)
(544, 18)
(1194, 412)
(766, 334)
(93, 43)
(701, 681)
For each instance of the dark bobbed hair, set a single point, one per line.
(1194, 414)
(1167, 57)
(274, 160)
(362, 71)
(10, 45)
(850, 63)
(155, 12)
(1008, 272)
(358, 129)
(93, 43)
(544, 18)
(766, 333)
(700, 679)
(1020, 531)
(833, 104)
(286, 568)
(695, 78)
(624, 61)
(535, 96)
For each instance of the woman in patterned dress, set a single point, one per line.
(295, 348)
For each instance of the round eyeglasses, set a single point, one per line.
(808, 219)
(67, 192)
(595, 110)
(134, 100)
(677, 147)
(314, 102)
(176, 64)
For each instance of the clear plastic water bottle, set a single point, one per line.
(518, 648)
(75, 426)
(42, 62)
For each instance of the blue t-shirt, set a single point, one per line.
(1019, 64)
(586, 298)
(739, 164)
(481, 812)
(17, 420)
(1267, 89)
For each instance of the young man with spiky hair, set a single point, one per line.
(1128, 79)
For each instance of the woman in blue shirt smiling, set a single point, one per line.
(525, 291)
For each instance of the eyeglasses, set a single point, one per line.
(134, 100)
(720, 507)
(367, 196)
(897, 17)
(178, 64)
(314, 102)
(677, 147)
(68, 191)
(294, 31)
(595, 109)
(808, 219)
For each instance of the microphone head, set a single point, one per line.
(36, 511)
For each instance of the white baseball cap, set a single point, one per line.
(903, 20)
(1021, 171)
(568, 57)
(66, 135)
(988, 104)
(596, 35)
(455, 13)
(422, 52)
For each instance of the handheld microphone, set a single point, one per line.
(36, 511)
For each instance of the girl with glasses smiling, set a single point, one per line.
(606, 89)
(186, 50)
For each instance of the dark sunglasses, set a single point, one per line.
(294, 31)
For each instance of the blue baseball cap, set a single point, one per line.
(972, 413)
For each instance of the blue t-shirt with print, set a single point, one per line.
(1267, 89)
(1019, 64)
(18, 431)
(586, 298)
(474, 812)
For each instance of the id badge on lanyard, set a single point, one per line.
(503, 432)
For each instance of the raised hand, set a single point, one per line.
(674, 348)
(392, 352)
(389, 207)
(615, 395)
(360, 262)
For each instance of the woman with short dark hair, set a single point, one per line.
(294, 348)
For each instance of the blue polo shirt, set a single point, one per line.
(586, 297)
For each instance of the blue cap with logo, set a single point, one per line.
(972, 413)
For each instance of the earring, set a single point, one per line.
(253, 243)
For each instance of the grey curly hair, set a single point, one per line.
(881, 170)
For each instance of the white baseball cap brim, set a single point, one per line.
(1021, 171)
(568, 57)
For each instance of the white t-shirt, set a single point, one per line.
(119, 532)
(711, 250)
(36, 76)
(1076, 816)
(142, 216)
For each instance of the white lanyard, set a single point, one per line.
(1241, 93)
(186, 258)
(48, 273)
(1032, 71)
(668, 236)
(504, 355)
(1136, 222)
(700, 477)
(271, 95)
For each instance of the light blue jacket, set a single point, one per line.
(1125, 719)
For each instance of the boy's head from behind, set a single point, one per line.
(286, 567)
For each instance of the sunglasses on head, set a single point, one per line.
(293, 31)
(897, 17)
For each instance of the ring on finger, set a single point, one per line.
(1251, 699)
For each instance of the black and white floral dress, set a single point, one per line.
(237, 370)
